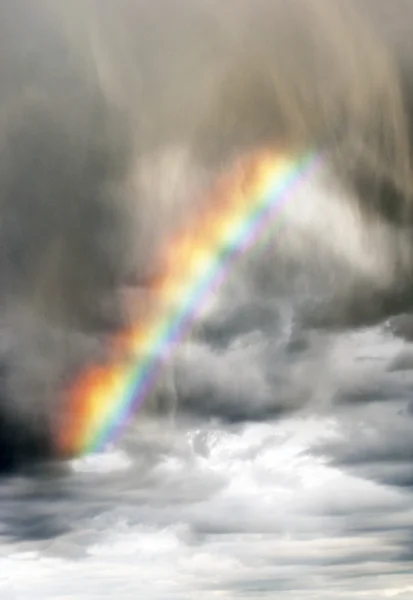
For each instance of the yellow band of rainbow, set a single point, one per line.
(102, 400)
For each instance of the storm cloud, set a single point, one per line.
(287, 467)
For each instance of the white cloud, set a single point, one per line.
(275, 517)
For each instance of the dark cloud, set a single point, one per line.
(375, 446)
(113, 125)
(288, 469)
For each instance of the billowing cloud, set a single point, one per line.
(288, 470)
(243, 512)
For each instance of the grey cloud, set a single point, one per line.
(375, 444)
(113, 125)
(289, 467)
(209, 522)
(365, 451)
(249, 380)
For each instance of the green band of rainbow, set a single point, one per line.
(131, 383)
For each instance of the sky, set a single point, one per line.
(288, 475)
(287, 472)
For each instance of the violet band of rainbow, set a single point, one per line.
(123, 388)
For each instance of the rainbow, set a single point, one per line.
(101, 401)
